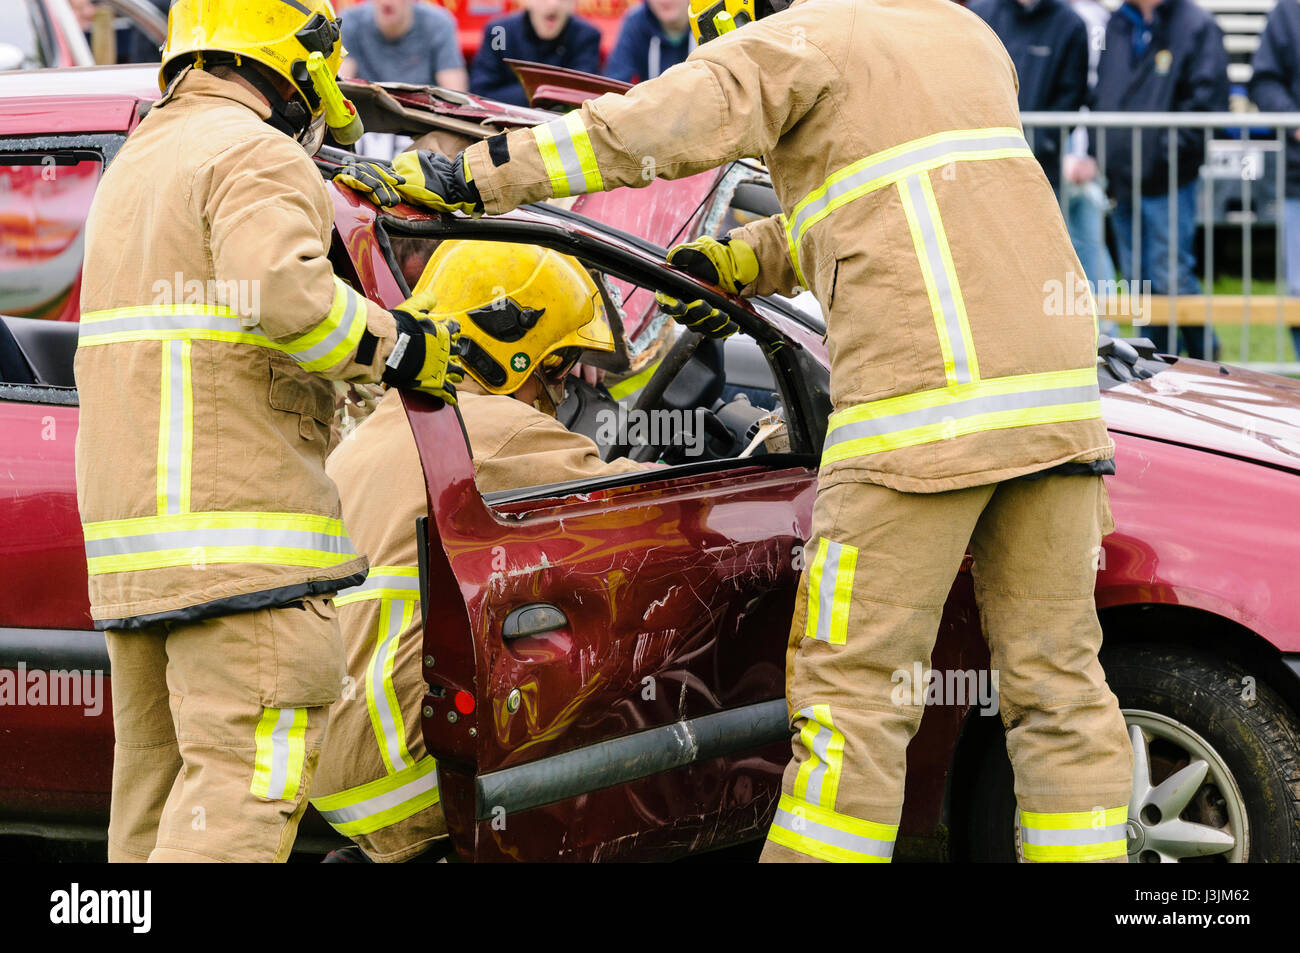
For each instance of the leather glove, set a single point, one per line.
(728, 263)
(699, 316)
(432, 180)
(375, 180)
(424, 357)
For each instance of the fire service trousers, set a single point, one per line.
(880, 565)
(218, 726)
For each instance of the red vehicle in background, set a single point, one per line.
(606, 674)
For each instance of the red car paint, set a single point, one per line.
(685, 579)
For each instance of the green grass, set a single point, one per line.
(1263, 330)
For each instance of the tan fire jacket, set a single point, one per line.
(962, 351)
(211, 323)
(375, 772)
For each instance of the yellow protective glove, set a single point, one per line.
(431, 180)
(698, 316)
(375, 180)
(424, 357)
(728, 263)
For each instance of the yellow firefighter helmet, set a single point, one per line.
(521, 309)
(711, 18)
(301, 42)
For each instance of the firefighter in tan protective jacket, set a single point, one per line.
(965, 411)
(212, 324)
(526, 314)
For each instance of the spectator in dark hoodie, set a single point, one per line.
(652, 37)
(545, 31)
(1160, 56)
(1048, 43)
(1275, 88)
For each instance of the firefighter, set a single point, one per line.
(962, 343)
(212, 325)
(526, 315)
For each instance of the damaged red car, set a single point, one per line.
(606, 667)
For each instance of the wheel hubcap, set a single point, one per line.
(1185, 804)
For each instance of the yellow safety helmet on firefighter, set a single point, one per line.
(710, 19)
(521, 309)
(301, 42)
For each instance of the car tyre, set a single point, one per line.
(1236, 741)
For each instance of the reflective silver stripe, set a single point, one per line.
(393, 742)
(1077, 837)
(409, 584)
(195, 538)
(933, 151)
(176, 406)
(382, 802)
(939, 272)
(335, 337)
(958, 410)
(830, 572)
(568, 153)
(275, 786)
(165, 322)
(805, 827)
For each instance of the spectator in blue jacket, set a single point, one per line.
(1275, 87)
(402, 41)
(546, 31)
(1048, 43)
(652, 37)
(1160, 56)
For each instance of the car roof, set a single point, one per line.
(113, 82)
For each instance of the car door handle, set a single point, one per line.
(533, 619)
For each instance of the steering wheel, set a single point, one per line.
(652, 395)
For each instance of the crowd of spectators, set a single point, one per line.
(1146, 56)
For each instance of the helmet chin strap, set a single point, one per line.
(548, 402)
(289, 116)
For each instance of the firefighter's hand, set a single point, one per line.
(699, 316)
(424, 357)
(431, 180)
(375, 180)
(730, 263)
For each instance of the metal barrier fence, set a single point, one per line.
(1171, 307)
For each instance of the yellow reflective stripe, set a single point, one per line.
(381, 697)
(158, 542)
(329, 343)
(960, 409)
(383, 802)
(280, 753)
(813, 624)
(631, 385)
(1075, 820)
(187, 428)
(337, 335)
(959, 302)
(164, 428)
(1075, 836)
(384, 582)
(568, 156)
(884, 168)
(828, 604)
(818, 780)
(175, 429)
(947, 306)
(828, 835)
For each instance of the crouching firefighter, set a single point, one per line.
(966, 409)
(377, 783)
(213, 536)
